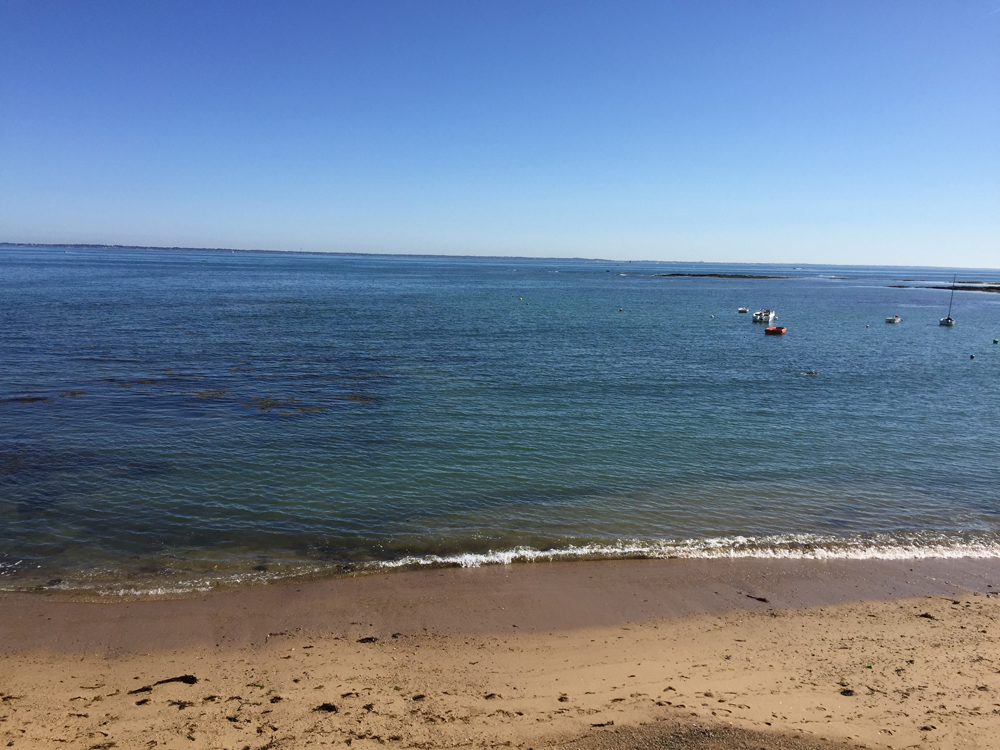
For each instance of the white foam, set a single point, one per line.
(926, 545)
(788, 547)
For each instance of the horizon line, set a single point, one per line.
(98, 246)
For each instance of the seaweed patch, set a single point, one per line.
(286, 407)
(266, 403)
(210, 393)
(358, 398)
(25, 400)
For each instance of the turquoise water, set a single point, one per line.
(172, 420)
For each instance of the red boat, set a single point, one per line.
(775, 331)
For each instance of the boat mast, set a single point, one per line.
(952, 294)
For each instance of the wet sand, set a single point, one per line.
(644, 653)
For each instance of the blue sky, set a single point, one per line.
(833, 132)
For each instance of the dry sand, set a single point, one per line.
(632, 654)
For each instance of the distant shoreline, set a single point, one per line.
(722, 276)
(360, 253)
(986, 286)
(85, 246)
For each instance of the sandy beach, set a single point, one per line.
(641, 653)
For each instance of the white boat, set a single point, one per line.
(764, 316)
(743, 310)
(949, 321)
(894, 319)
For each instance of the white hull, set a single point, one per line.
(894, 319)
(947, 322)
(764, 316)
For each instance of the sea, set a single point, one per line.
(173, 421)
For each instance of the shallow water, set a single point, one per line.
(172, 420)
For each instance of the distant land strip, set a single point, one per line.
(352, 253)
(981, 287)
(82, 246)
(721, 275)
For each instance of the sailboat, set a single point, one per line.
(949, 321)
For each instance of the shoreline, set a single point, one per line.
(695, 654)
(560, 595)
(176, 580)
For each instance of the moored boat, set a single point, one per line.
(774, 331)
(743, 310)
(764, 316)
(894, 319)
(949, 321)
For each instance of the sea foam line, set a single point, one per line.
(782, 547)
(926, 545)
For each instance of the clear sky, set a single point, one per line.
(837, 132)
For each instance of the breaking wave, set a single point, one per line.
(777, 547)
(184, 580)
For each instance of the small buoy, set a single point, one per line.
(866, 326)
(521, 298)
(620, 310)
(972, 356)
(713, 316)
(996, 341)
